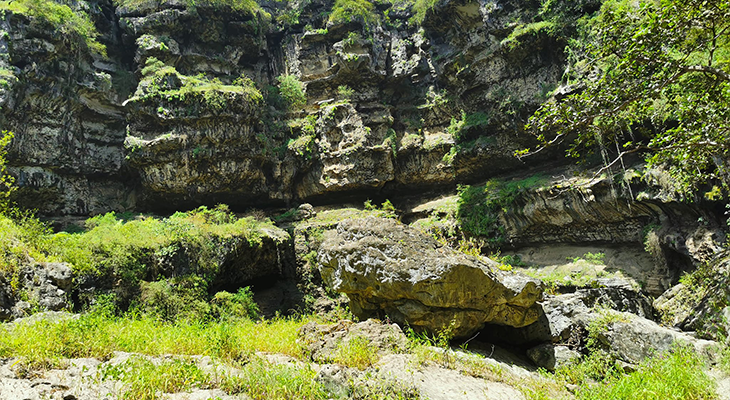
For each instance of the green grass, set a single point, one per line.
(193, 92)
(61, 17)
(46, 344)
(125, 247)
(128, 257)
(677, 375)
(264, 381)
(350, 10)
(358, 353)
(145, 379)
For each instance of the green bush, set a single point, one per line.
(676, 375)
(6, 180)
(62, 18)
(479, 206)
(291, 90)
(421, 8)
(165, 84)
(245, 6)
(349, 10)
(227, 305)
(144, 379)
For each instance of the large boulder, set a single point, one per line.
(632, 339)
(565, 318)
(388, 268)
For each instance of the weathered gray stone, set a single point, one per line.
(633, 339)
(551, 357)
(323, 341)
(564, 318)
(386, 267)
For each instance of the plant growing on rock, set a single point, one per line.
(291, 90)
(6, 180)
(663, 75)
(69, 24)
(349, 10)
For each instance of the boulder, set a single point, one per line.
(632, 339)
(564, 318)
(323, 341)
(46, 284)
(387, 268)
(551, 357)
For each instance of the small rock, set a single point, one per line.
(323, 341)
(551, 357)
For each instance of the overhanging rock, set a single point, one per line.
(387, 268)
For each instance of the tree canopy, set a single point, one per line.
(652, 76)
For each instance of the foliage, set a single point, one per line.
(677, 374)
(263, 381)
(420, 8)
(479, 206)
(45, 344)
(68, 23)
(655, 78)
(291, 90)
(6, 180)
(164, 84)
(143, 379)
(350, 10)
(22, 238)
(458, 128)
(345, 92)
(357, 352)
(303, 145)
(532, 29)
(245, 6)
(235, 305)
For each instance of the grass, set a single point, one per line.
(46, 344)
(62, 18)
(263, 381)
(145, 379)
(676, 375)
(128, 257)
(193, 92)
(357, 353)
(350, 10)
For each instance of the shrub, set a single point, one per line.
(677, 374)
(349, 10)
(164, 84)
(356, 352)
(235, 305)
(6, 181)
(144, 379)
(345, 92)
(479, 206)
(62, 18)
(291, 90)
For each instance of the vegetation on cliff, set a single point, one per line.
(65, 21)
(660, 84)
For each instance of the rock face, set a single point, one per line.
(125, 141)
(564, 319)
(387, 268)
(45, 285)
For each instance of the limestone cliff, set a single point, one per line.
(188, 105)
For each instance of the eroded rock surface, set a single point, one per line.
(385, 267)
